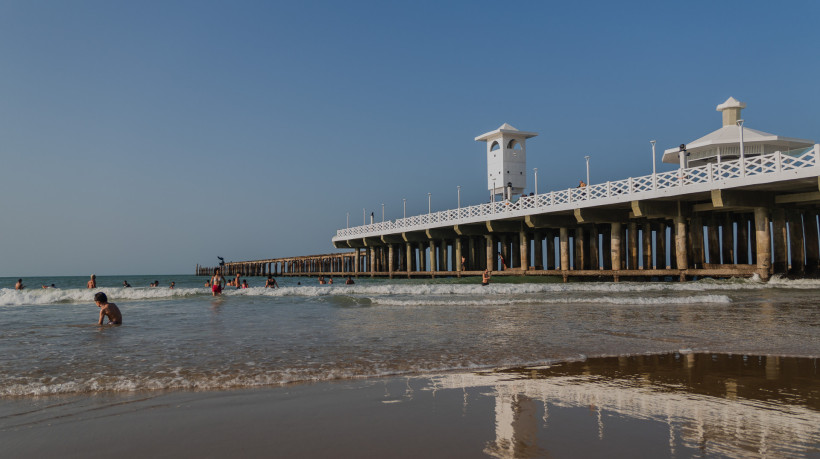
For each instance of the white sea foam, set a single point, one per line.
(500, 300)
(10, 297)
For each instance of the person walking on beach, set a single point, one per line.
(485, 278)
(217, 283)
(19, 285)
(107, 309)
(93, 282)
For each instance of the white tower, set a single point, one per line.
(506, 158)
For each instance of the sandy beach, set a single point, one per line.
(677, 405)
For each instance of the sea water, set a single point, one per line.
(184, 338)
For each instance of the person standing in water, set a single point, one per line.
(93, 282)
(217, 283)
(107, 309)
(19, 285)
(485, 278)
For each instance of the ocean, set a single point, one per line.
(412, 368)
(186, 339)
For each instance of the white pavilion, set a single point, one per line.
(724, 144)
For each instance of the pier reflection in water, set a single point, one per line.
(718, 404)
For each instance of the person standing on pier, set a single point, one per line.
(217, 283)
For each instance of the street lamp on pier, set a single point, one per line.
(536, 179)
(429, 203)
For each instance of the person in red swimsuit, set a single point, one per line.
(217, 283)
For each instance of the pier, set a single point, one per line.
(742, 203)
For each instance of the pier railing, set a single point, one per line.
(739, 172)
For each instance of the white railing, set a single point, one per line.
(758, 169)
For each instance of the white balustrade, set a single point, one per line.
(755, 169)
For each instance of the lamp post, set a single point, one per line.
(382, 212)
(348, 219)
(587, 158)
(492, 195)
(364, 218)
(742, 153)
(459, 196)
(654, 166)
(404, 207)
(536, 179)
(429, 205)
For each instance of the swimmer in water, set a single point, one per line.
(217, 283)
(485, 278)
(107, 309)
(93, 282)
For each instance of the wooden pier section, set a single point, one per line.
(738, 218)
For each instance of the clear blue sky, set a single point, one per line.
(146, 137)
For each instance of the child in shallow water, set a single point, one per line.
(107, 309)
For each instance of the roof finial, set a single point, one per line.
(731, 111)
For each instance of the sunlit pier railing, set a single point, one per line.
(727, 174)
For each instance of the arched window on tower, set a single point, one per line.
(494, 146)
(514, 145)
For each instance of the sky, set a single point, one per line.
(147, 137)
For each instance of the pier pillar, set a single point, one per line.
(549, 263)
(615, 246)
(714, 240)
(372, 264)
(606, 247)
(762, 238)
(490, 253)
(727, 241)
(780, 237)
(594, 261)
(422, 257)
(524, 250)
(578, 251)
(696, 231)
(680, 243)
(409, 258)
(563, 240)
(660, 246)
(633, 245)
(742, 252)
(390, 258)
(797, 244)
(812, 247)
(646, 239)
(458, 263)
(538, 250)
(472, 255)
(505, 251)
(433, 256)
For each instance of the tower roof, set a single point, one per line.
(730, 103)
(505, 129)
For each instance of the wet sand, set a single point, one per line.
(671, 405)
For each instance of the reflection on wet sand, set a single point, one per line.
(729, 405)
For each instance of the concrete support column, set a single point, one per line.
(812, 247)
(632, 262)
(433, 256)
(422, 257)
(780, 238)
(539, 251)
(505, 251)
(563, 243)
(490, 252)
(409, 259)
(458, 263)
(681, 260)
(660, 247)
(742, 240)
(797, 244)
(390, 259)
(606, 246)
(714, 241)
(728, 241)
(696, 231)
(578, 248)
(524, 250)
(472, 256)
(764, 243)
(372, 264)
(615, 254)
(647, 245)
(594, 261)
(549, 263)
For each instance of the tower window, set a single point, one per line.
(494, 146)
